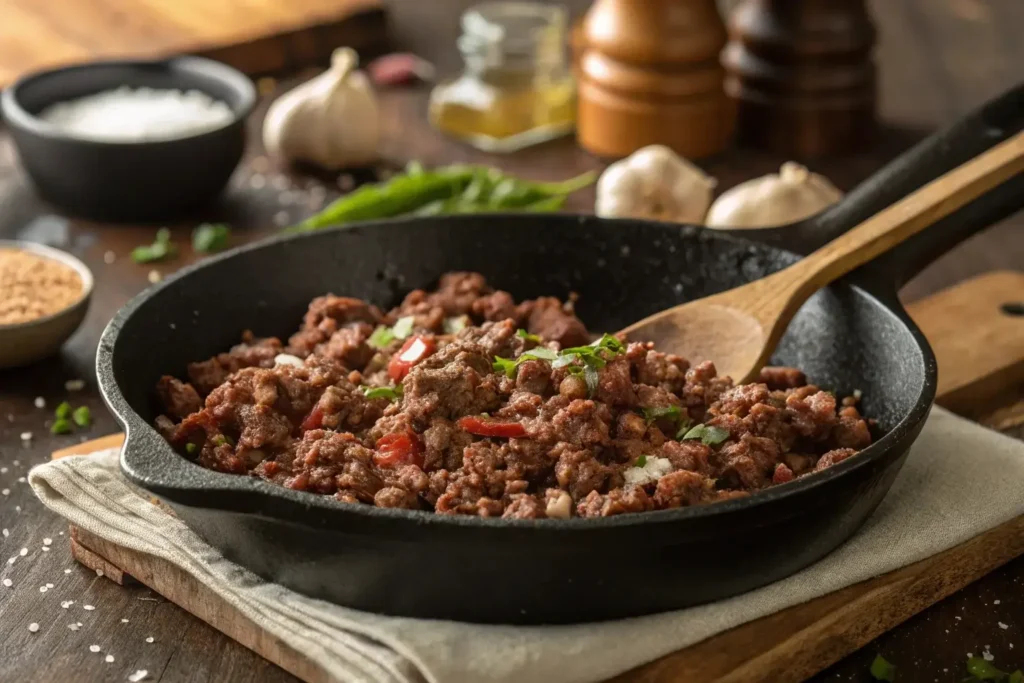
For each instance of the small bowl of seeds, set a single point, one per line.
(44, 295)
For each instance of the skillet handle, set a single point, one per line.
(994, 122)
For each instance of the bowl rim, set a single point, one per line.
(60, 256)
(18, 116)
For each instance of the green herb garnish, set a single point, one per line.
(983, 670)
(222, 440)
(591, 356)
(390, 393)
(191, 448)
(210, 237)
(641, 461)
(381, 337)
(403, 327)
(161, 248)
(708, 434)
(882, 670)
(509, 365)
(506, 365)
(63, 411)
(523, 334)
(61, 426)
(684, 426)
(81, 416)
(671, 412)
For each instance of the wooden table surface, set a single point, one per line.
(939, 58)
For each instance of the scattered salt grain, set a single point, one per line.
(150, 639)
(11, 559)
(139, 675)
(6, 533)
(8, 583)
(124, 621)
(40, 402)
(5, 492)
(1002, 625)
(138, 114)
(987, 656)
(958, 619)
(33, 627)
(109, 257)
(73, 627)
(74, 384)
(995, 602)
(108, 659)
(47, 541)
(43, 589)
(67, 571)
(45, 549)
(49, 585)
(66, 603)
(94, 648)
(23, 552)
(88, 608)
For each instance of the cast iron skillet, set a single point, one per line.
(855, 335)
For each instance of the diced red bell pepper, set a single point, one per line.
(400, 448)
(486, 427)
(315, 419)
(412, 352)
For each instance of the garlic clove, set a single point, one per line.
(654, 183)
(791, 195)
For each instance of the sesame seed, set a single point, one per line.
(33, 627)
(25, 436)
(74, 384)
(150, 639)
(8, 583)
(40, 402)
(154, 276)
(109, 257)
(108, 659)
(88, 608)
(94, 648)
(47, 541)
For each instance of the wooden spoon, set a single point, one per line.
(738, 329)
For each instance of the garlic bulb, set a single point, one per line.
(330, 120)
(795, 193)
(654, 182)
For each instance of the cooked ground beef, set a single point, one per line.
(462, 401)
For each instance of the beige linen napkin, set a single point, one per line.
(959, 480)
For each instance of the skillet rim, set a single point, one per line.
(231, 493)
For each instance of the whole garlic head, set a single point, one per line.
(330, 120)
(654, 182)
(794, 194)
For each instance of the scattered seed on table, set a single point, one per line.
(139, 675)
(40, 402)
(8, 583)
(67, 571)
(73, 627)
(66, 603)
(150, 639)
(5, 492)
(11, 559)
(21, 480)
(124, 621)
(1002, 625)
(45, 549)
(99, 572)
(6, 533)
(88, 608)
(74, 384)
(47, 541)
(94, 648)
(108, 659)
(995, 602)
(33, 627)
(49, 585)
(43, 589)
(23, 552)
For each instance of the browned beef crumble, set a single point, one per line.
(551, 440)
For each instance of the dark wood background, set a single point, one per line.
(938, 59)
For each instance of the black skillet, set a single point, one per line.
(854, 335)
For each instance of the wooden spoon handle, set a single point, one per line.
(902, 220)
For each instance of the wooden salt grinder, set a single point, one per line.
(802, 74)
(649, 73)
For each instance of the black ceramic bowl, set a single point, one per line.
(128, 181)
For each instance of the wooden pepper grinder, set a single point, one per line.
(802, 74)
(649, 73)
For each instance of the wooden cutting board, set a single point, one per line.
(980, 348)
(255, 36)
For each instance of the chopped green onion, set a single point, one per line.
(210, 237)
(159, 250)
(882, 670)
(708, 434)
(523, 334)
(381, 337)
(506, 365)
(63, 411)
(539, 353)
(191, 448)
(403, 327)
(81, 416)
(671, 412)
(641, 461)
(61, 426)
(390, 393)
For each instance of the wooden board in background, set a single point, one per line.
(255, 36)
(983, 353)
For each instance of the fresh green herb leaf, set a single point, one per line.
(191, 448)
(210, 237)
(506, 365)
(381, 337)
(390, 393)
(641, 461)
(403, 327)
(592, 378)
(63, 411)
(160, 249)
(714, 435)
(882, 670)
(695, 432)
(671, 412)
(684, 426)
(61, 426)
(983, 670)
(81, 416)
(456, 324)
(609, 343)
(539, 353)
(523, 334)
